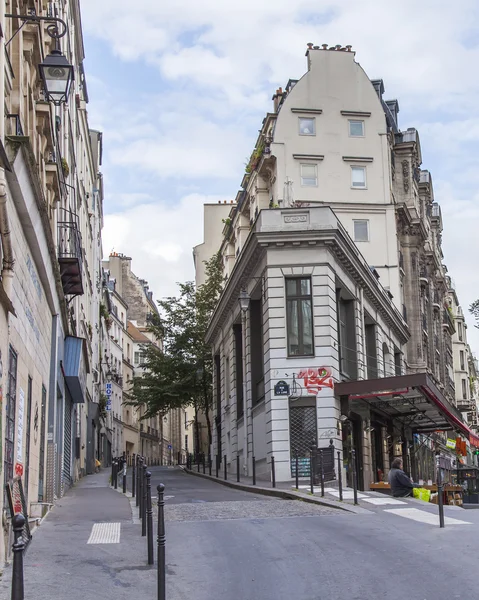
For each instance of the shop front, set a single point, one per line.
(405, 416)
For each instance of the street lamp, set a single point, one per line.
(244, 300)
(56, 72)
(57, 76)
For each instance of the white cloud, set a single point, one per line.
(160, 240)
(217, 66)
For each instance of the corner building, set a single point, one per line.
(334, 248)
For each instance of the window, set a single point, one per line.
(464, 389)
(309, 175)
(299, 315)
(361, 231)
(10, 424)
(307, 126)
(358, 177)
(356, 128)
(461, 356)
(459, 331)
(347, 336)
(238, 344)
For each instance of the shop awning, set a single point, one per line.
(413, 400)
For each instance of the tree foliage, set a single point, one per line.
(177, 370)
(474, 310)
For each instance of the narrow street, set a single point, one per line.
(224, 544)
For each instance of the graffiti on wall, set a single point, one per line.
(316, 379)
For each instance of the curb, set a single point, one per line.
(278, 493)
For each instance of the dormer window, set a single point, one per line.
(307, 126)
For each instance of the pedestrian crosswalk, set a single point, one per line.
(105, 533)
(393, 506)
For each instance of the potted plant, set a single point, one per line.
(65, 167)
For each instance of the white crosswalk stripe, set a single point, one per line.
(424, 517)
(381, 501)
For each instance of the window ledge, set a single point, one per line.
(309, 156)
(365, 159)
(309, 111)
(355, 113)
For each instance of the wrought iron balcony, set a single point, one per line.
(70, 253)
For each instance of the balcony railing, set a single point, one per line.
(70, 253)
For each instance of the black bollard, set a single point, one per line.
(204, 464)
(254, 470)
(112, 481)
(311, 471)
(116, 472)
(340, 476)
(237, 468)
(321, 467)
(440, 494)
(143, 504)
(273, 473)
(217, 466)
(149, 519)
(209, 464)
(198, 463)
(124, 475)
(355, 483)
(138, 489)
(133, 475)
(18, 548)
(161, 543)
(226, 472)
(297, 471)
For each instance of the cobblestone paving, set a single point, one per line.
(267, 509)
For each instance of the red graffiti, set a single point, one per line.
(316, 379)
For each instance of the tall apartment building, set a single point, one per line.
(50, 224)
(160, 437)
(333, 327)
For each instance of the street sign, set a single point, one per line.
(170, 446)
(281, 389)
(108, 389)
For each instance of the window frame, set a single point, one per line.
(357, 187)
(299, 298)
(367, 230)
(313, 119)
(350, 121)
(301, 174)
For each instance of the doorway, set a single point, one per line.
(352, 439)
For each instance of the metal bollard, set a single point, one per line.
(18, 548)
(112, 481)
(217, 466)
(209, 464)
(149, 519)
(124, 475)
(237, 468)
(204, 464)
(440, 494)
(117, 464)
(133, 475)
(311, 471)
(297, 472)
(254, 470)
(161, 543)
(340, 476)
(138, 490)
(355, 483)
(321, 467)
(198, 463)
(143, 503)
(226, 472)
(273, 473)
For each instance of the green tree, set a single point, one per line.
(178, 370)
(474, 310)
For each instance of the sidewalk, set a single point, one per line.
(70, 559)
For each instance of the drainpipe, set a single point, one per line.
(8, 260)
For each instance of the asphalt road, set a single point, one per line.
(224, 544)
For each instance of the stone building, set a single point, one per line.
(333, 328)
(50, 225)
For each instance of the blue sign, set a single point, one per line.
(108, 404)
(281, 389)
(170, 446)
(108, 389)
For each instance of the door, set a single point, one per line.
(67, 446)
(303, 433)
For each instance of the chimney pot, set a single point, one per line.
(316, 47)
(348, 48)
(324, 46)
(310, 45)
(338, 47)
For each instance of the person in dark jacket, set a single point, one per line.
(401, 484)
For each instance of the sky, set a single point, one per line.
(179, 89)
